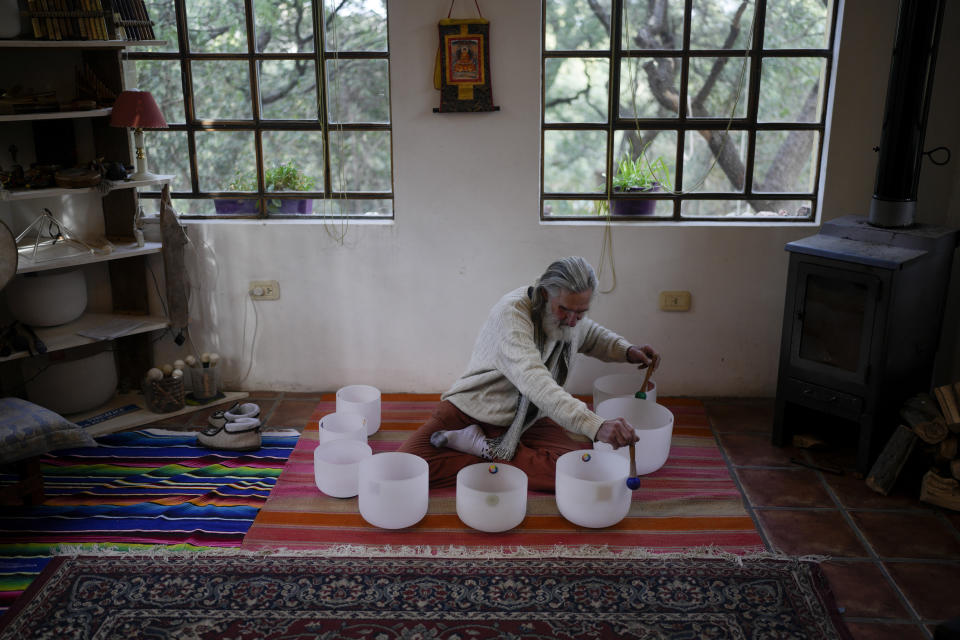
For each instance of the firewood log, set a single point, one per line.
(920, 412)
(955, 468)
(883, 474)
(943, 492)
(948, 403)
(931, 432)
(948, 447)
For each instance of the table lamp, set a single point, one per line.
(137, 109)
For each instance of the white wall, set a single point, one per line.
(398, 305)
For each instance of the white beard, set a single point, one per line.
(554, 330)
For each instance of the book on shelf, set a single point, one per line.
(90, 19)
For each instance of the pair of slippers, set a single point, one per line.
(235, 429)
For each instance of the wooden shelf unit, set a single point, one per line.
(69, 138)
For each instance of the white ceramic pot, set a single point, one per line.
(336, 466)
(621, 384)
(362, 399)
(48, 298)
(653, 424)
(71, 386)
(591, 488)
(491, 496)
(337, 426)
(394, 489)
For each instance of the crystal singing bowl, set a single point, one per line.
(394, 488)
(337, 426)
(491, 496)
(336, 466)
(621, 384)
(362, 399)
(591, 488)
(653, 424)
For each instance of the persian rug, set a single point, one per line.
(692, 501)
(252, 596)
(139, 488)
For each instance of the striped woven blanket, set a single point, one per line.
(692, 501)
(136, 490)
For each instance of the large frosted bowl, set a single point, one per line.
(362, 399)
(491, 496)
(591, 488)
(621, 384)
(338, 426)
(336, 466)
(653, 424)
(394, 489)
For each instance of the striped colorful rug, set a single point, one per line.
(692, 501)
(136, 490)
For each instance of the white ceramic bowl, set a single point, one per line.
(394, 489)
(72, 385)
(491, 496)
(591, 488)
(621, 384)
(337, 426)
(48, 298)
(336, 466)
(362, 399)
(653, 424)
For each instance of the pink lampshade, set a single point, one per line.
(137, 109)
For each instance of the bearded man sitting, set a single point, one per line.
(510, 405)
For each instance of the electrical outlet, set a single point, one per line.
(675, 301)
(264, 290)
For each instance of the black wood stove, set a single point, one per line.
(865, 296)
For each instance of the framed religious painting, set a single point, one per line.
(462, 70)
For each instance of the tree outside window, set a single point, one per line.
(701, 109)
(271, 103)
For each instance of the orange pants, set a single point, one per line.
(536, 455)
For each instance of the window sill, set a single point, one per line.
(760, 223)
(278, 221)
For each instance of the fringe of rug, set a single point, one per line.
(426, 551)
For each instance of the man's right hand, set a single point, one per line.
(617, 433)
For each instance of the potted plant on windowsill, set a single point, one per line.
(286, 176)
(638, 175)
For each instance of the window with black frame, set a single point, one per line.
(684, 110)
(271, 115)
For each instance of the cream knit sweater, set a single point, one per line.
(506, 363)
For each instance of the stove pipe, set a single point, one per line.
(905, 113)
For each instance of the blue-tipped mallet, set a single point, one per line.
(633, 481)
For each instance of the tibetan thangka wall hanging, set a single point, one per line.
(462, 71)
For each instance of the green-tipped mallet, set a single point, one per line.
(642, 394)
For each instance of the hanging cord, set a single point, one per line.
(337, 231)
(452, 2)
(606, 247)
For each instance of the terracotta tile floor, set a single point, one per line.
(893, 562)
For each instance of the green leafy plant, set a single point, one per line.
(639, 174)
(286, 176)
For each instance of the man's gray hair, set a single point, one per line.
(573, 274)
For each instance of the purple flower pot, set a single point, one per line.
(240, 206)
(634, 207)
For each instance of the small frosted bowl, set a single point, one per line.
(621, 384)
(337, 426)
(653, 424)
(336, 466)
(591, 488)
(362, 399)
(394, 489)
(491, 496)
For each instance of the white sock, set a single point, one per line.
(467, 440)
